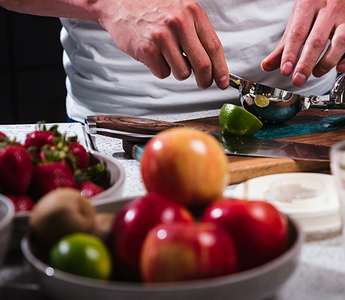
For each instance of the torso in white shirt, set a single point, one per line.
(101, 79)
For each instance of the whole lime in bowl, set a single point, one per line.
(82, 254)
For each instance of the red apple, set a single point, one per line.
(178, 252)
(186, 164)
(258, 229)
(132, 223)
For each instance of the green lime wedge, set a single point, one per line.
(236, 120)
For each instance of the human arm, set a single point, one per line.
(167, 36)
(311, 24)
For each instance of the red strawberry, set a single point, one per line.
(48, 177)
(88, 188)
(80, 152)
(2, 134)
(86, 180)
(39, 138)
(22, 203)
(42, 136)
(15, 168)
(65, 150)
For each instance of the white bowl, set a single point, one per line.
(112, 182)
(6, 221)
(255, 284)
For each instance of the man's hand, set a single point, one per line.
(312, 23)
(167, 36)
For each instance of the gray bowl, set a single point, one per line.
(256, 283)
(6, 222)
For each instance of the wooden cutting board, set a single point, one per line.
(319, 127)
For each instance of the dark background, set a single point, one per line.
(32, 78)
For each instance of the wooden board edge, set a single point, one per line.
(241, 171)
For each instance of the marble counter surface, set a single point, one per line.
(320, 274)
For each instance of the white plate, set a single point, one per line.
(317, 221)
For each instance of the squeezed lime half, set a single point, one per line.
(238, 121)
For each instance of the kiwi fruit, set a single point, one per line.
(103, 226)
(60, 212)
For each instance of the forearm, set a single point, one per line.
(167, 36)
(79, 9)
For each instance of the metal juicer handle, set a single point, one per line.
(336, 97)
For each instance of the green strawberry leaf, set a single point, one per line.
(92, 173)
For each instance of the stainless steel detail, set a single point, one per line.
(91, 127)
(88, 140)
(280, 105)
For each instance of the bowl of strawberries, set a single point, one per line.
(46, 160)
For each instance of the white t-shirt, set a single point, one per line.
(101, 79)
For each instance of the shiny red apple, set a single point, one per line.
(132, 223)
(179, 252)
(186, 164)
(258, 229)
